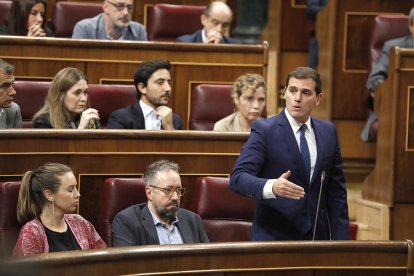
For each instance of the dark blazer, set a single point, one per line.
(135, 226)
(379, 71)
(272, 150)
(197, 38)
(131, 117)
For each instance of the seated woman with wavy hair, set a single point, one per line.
(67, 103)
(249, 96)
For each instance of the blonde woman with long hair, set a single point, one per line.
(67, 103)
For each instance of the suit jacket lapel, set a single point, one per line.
(185, 231)
(138, 116)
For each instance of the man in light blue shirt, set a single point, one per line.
(160, 220)
(113, 24)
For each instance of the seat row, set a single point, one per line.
(163, 21)
(226, 216)
(208, 102)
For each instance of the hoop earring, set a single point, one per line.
(53, 207)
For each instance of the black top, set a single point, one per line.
(61, 241)
(42, 121)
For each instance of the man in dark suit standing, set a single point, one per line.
(216, 20)
(153, 83)
(160, 220)
(292, 166)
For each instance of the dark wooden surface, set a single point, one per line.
(116, 62)
(95, 155)
(249, 258)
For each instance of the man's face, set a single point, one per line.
(165, 206)
(301, 98)
(158, 89)
(118, 12)
(6, 89)
(219, 20)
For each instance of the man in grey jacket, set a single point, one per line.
(10, 116)
(160, 220)
(113, 24)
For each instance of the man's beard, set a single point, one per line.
(165, 213)
(120, 28)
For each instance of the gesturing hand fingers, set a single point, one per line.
(284, 188)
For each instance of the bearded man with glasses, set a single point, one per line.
(160, 220)
(113, 24)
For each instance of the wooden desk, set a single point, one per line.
(248, 258)
(95, 155)
(116, 62)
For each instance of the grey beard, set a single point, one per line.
(168, 214)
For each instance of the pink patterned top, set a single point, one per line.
(32, 238)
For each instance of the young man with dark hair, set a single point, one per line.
(153, 83)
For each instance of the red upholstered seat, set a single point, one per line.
(116, 195)
(30, 96)
(67, 14)
(226, 216)
(4, 11)
(209, 103)
(353, 230)
(107, 98)
(166, 22)
(9, 226)
(386, 27)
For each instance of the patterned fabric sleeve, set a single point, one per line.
(31, 240)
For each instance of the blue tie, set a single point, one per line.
(304, 152)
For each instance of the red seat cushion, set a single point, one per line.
(166, 22)
(9, 226)
(226, 216)
(67, 14)
(116, 195)
(30, 96)
(107, 98)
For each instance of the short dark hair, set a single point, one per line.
(156, 167)
(19, 14)
(306, 73)
(6, 67)
(145, 71)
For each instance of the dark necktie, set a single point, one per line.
(304, 152)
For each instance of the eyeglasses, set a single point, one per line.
(170, 191)
(121, 6)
